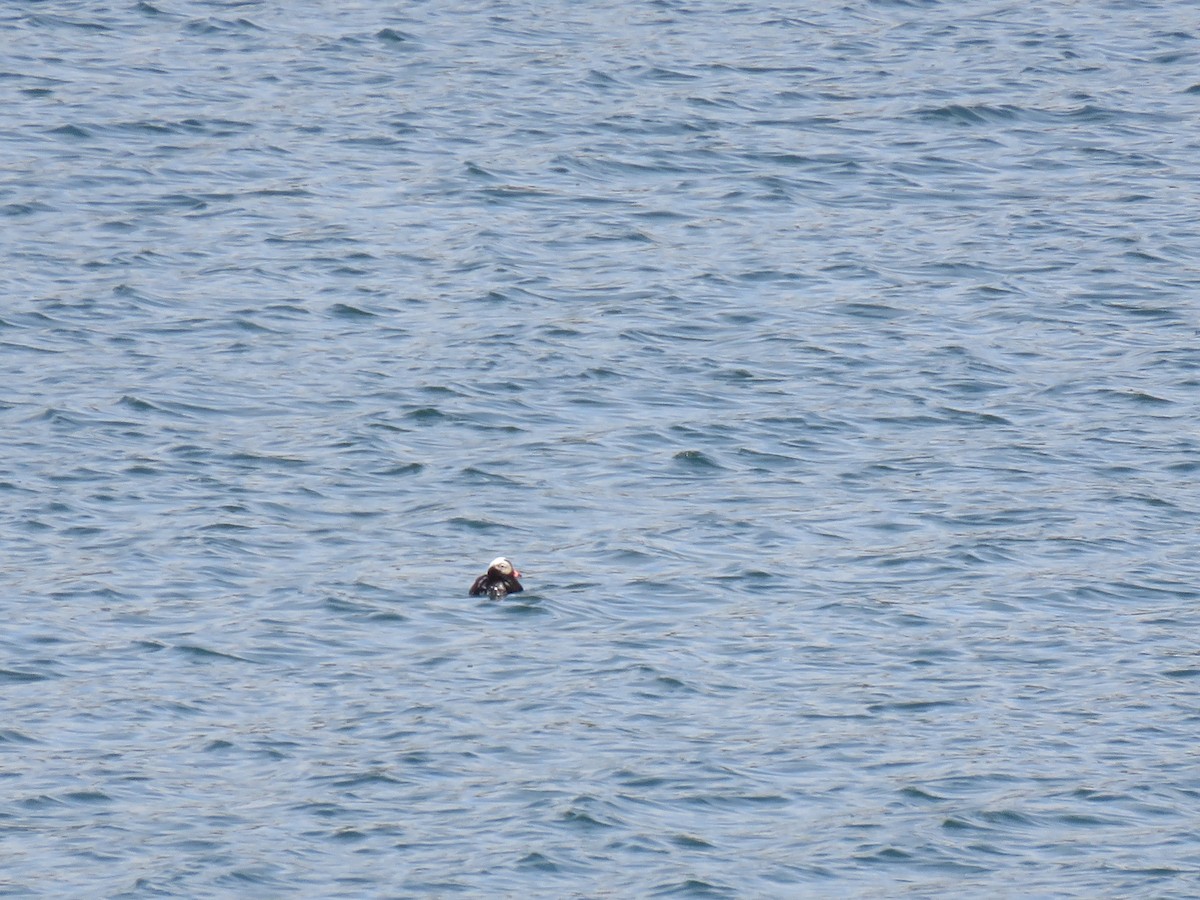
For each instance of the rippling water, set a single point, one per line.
(831, 372)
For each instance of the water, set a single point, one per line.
(830, 371)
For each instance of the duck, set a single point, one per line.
(498, 581)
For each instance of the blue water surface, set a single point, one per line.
(830, 372)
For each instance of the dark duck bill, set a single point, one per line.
(498, 581)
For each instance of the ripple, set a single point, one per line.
(843, 410)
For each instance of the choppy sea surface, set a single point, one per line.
(831, 371)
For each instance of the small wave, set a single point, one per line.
(697, 460)
(396, 37)
(693, 887)
(197, 652)
(75, 132)
(346, 311)
(971, 115)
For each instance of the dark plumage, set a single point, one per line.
(498, 581)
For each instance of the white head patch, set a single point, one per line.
(501, 565)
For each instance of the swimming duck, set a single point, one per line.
(498, 581)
